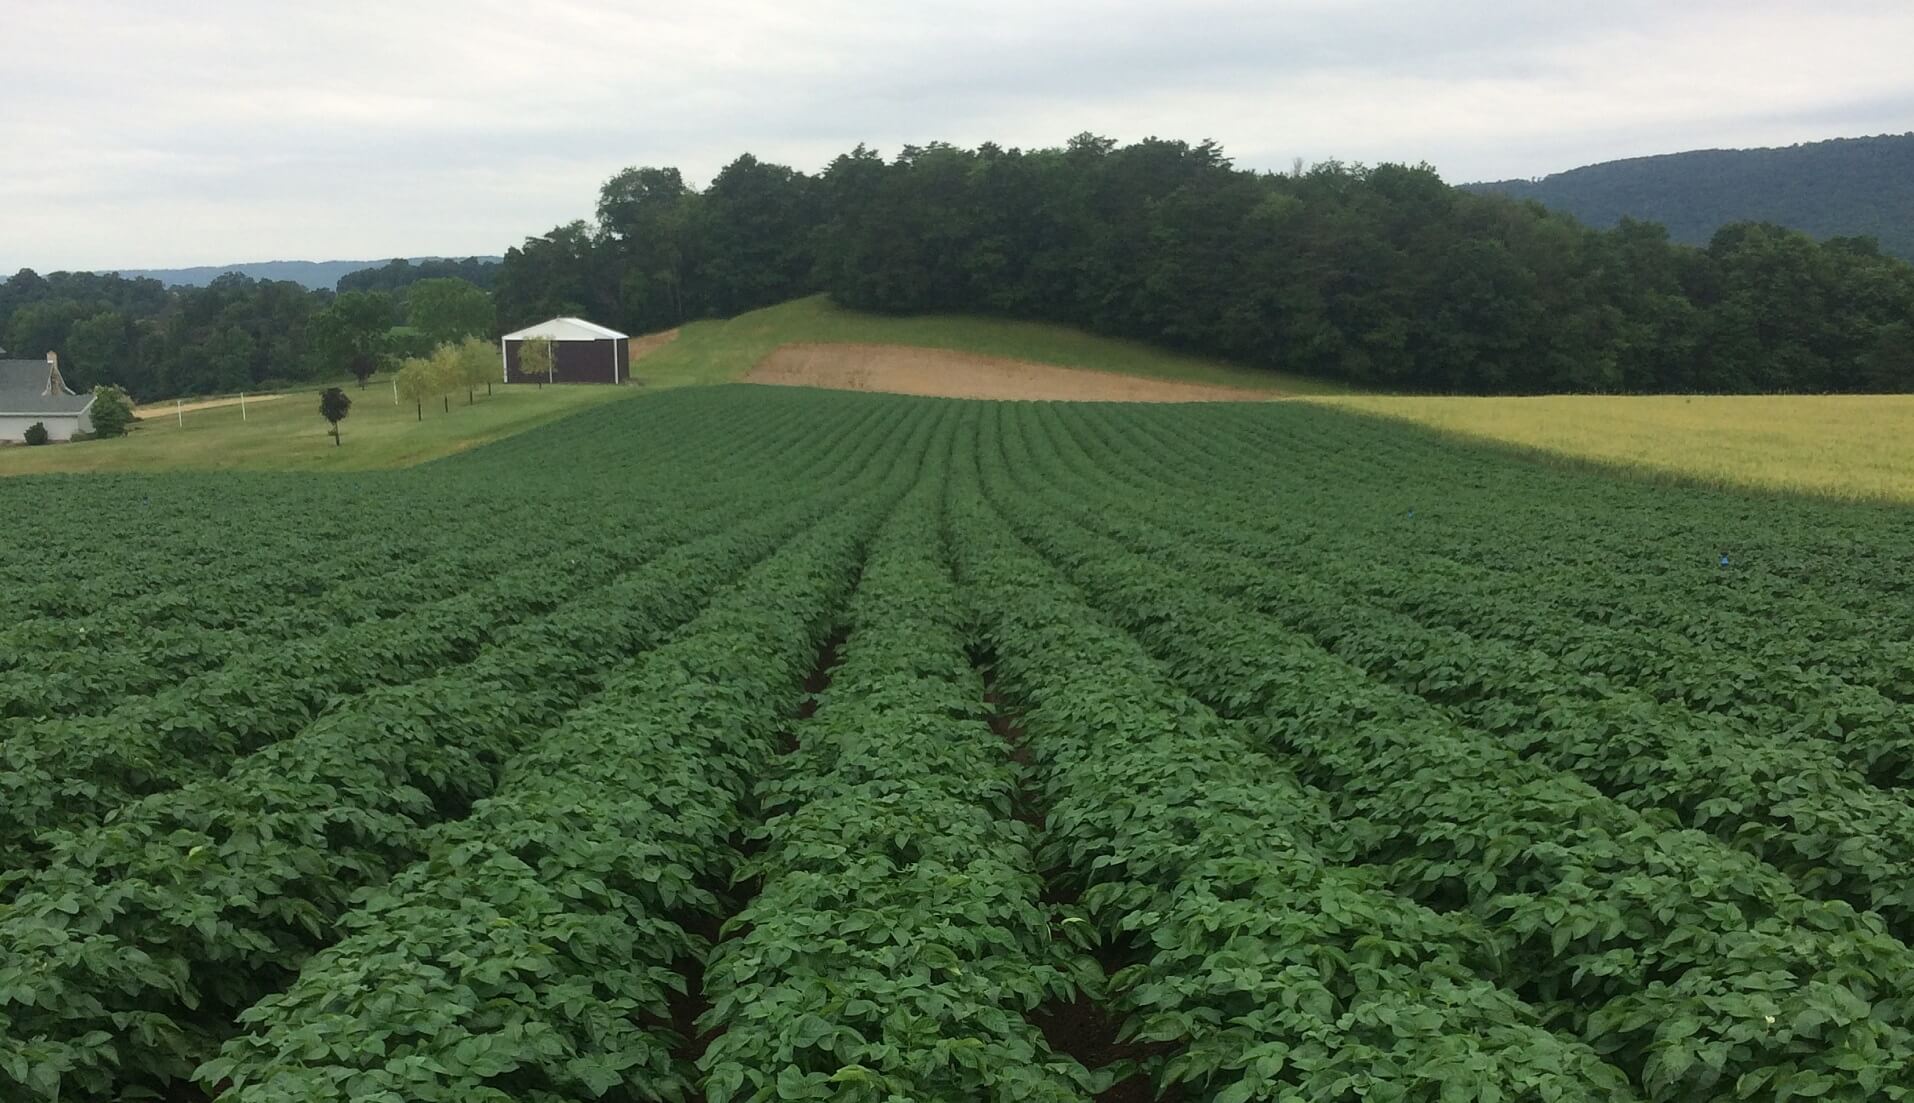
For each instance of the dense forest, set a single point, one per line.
(236, 333)
(1382, 276)
(1847, 187)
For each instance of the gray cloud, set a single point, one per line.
(207, 131)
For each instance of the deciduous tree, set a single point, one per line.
(415, 384)
(334, 405)
(538, 358)
(475, 362)
(447, 310)
(349, 335)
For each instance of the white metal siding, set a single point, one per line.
(59, 426)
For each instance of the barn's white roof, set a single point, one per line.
(566, 329)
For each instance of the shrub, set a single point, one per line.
(36, 433)
(112, 411)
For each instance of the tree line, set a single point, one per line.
(237, 333)
(1379, 275)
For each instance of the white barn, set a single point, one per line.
(582, 352)
(32, 392)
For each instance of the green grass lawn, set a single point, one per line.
(287, 433)
(718, 352)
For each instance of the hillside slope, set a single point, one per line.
(725, 351)
(1845, 187)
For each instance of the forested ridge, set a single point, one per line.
(1382, 276)
(314, 275)
(236, 333)
(1843, 187)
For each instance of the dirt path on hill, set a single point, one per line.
(904, 369)
(166, 409)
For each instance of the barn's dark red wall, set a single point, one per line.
(578, 362)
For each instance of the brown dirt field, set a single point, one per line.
(162, 409)
(904, 369)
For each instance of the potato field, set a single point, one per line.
(742, 743)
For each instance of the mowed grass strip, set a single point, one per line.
(1855, 447)
(287, 433)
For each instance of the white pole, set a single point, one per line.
(179, 412)
(242, 405)
(395, 391)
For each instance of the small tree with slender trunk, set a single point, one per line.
(477, 361)
(415, 384)
(537, 356)
(334, 405)
(446, 376)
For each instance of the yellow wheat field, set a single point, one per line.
(1849, 446)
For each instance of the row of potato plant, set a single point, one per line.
(1616, 555)
(1792, 803)
(898, 942)
(1811, 563)
(1258, 966)
(64, 773)
(124, 961)
(293, 556)
(535, 951)
(68, 772)
(1698, 970)
(73, 666)
(65, 687)
(1763, 668)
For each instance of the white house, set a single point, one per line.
(31, 391)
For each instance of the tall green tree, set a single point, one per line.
(755, 223)
(349, 334)
(447, 310)
(647, 230)
(100, 349)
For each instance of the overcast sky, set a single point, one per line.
(139, 134)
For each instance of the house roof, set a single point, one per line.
(26, 387)
(567, 329)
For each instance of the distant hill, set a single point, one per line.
(314, 274)
(1841, 188)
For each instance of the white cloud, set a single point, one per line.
(135, 134)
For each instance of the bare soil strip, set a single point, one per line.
(166, 409)
(904, 369)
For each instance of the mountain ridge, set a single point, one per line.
(317, 275)
(1836, 187)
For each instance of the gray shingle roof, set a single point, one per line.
(24, 387)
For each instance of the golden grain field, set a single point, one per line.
(1849, 446)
